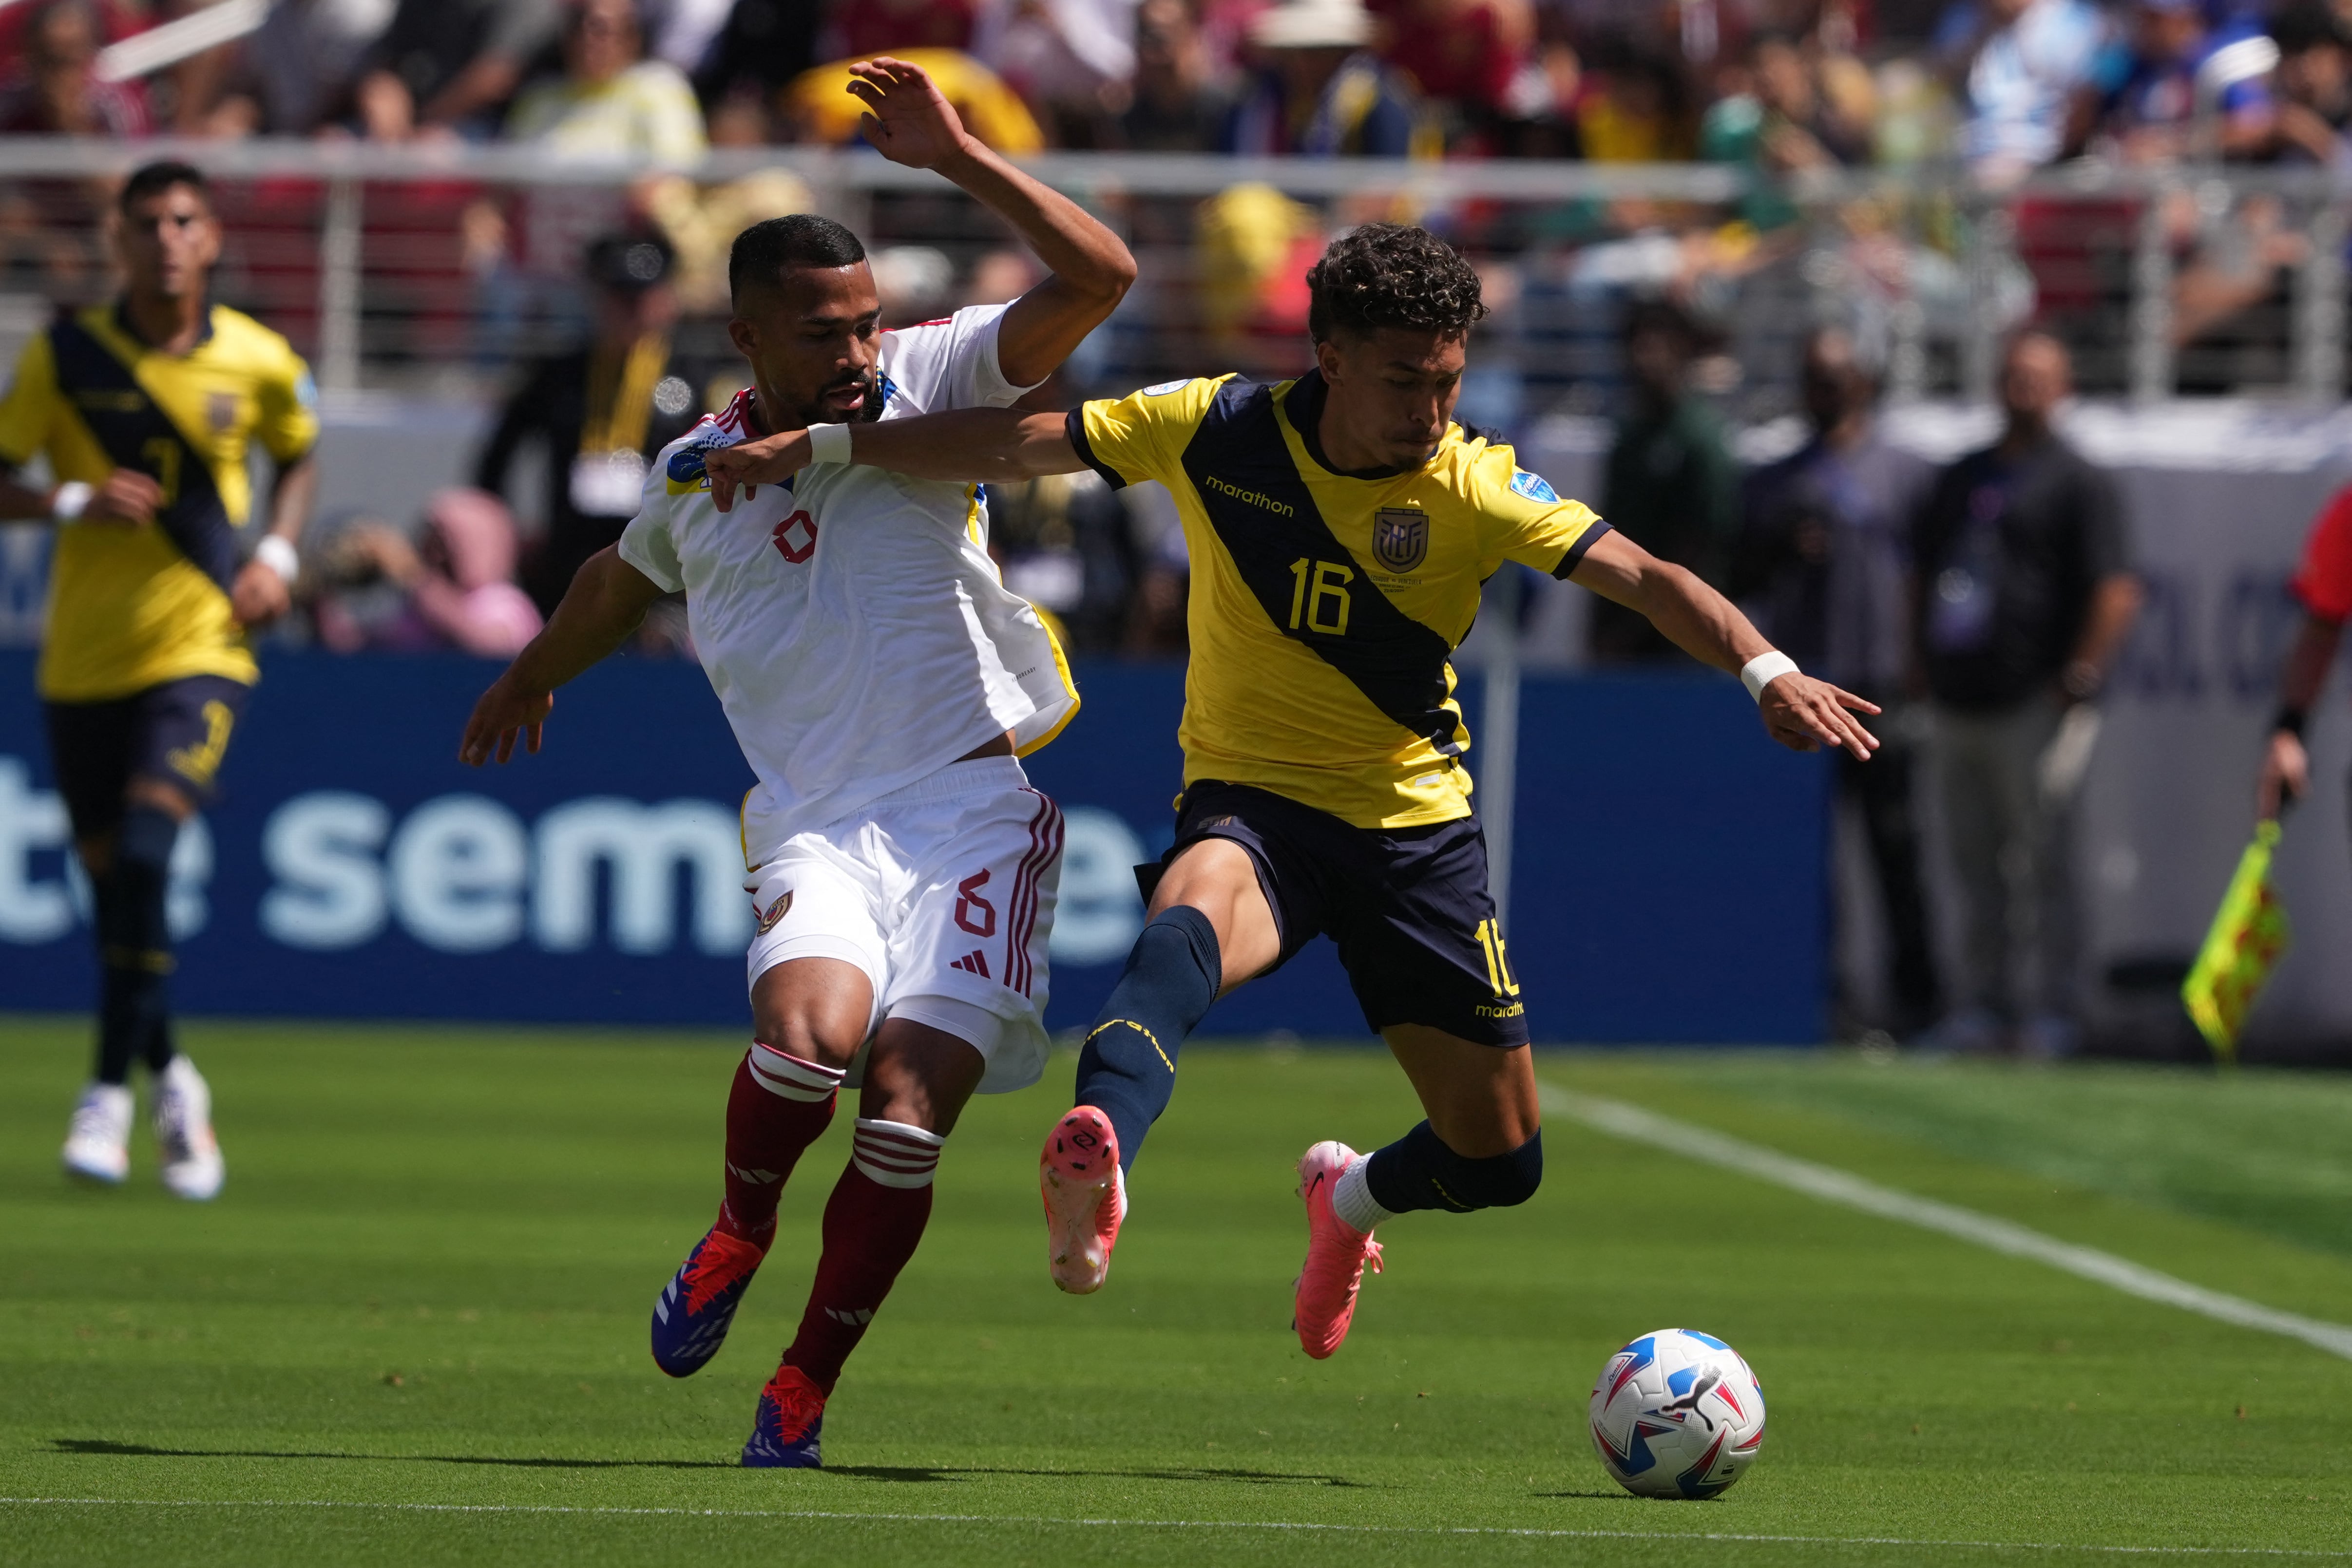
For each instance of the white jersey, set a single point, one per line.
(850, 619)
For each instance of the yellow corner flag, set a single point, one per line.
(2249, 936)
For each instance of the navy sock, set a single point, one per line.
(1127, 1067)
(134, 947)
(1420, 1170)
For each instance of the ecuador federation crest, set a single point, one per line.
(1399, 537)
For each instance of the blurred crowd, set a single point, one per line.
(1784, 84)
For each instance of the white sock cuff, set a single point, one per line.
(894, 1153)
(790, 1078)
(1352, 1201)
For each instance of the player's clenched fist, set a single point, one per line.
(505, 710)
(1805, 714)
(770, 460)
(127, 496)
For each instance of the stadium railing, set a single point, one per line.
(2190, 278)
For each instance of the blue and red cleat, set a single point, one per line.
(692, 1313)
(784, 1433)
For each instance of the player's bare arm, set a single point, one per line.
(993, 445)
(261, 593)
(605, 603)
(127, 496)
(1800, 711)
(909, 121)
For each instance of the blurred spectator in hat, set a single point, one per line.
(1324, 93)
(600, 411)
(2313, 87)
(701, 221)
(2019, 67)
(2144, 94)
(1822, 566)
(822, 109)
(447, 67)
(293, 75)
(1670, 485)
(1178, 105)
(54, 89)
(2024, 595)
(610, 101)
(376, 588)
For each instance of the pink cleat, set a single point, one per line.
(1337, 1251)
(1085, 1199)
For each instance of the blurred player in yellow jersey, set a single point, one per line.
(145, 408)
(1340, 525)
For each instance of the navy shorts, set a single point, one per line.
(1407, 907)
(177, 732)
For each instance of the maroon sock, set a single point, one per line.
(872, 1224)
(779, 1106)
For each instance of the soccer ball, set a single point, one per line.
(1677, 1414)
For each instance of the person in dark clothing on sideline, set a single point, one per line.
(1671, 487)
(2025, 595)
(601, 410)
(1822, 566)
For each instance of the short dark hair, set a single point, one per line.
(799, 239)
(2300, 28)
(1392, 274)
(154, 179)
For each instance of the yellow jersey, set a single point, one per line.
(131, 606)
(1325, 605)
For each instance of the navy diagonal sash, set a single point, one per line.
(1267, 518)
(135, 434)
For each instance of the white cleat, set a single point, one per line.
(184, 1132)
(98, 1139)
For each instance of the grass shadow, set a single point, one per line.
(105, 1447)
(970, 1472)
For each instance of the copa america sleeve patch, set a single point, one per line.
(1531, 486)
(1164, 388)
(687, 471)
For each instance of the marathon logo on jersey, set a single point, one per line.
(1399, 537)
(1248, 498)
(1531, 486)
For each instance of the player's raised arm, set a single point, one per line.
(1800, 711)
(605, 604)
(994, 445)
(909, 121)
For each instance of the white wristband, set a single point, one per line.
(1764, 669)
(277, 553)
(70, 500)
(829, 444)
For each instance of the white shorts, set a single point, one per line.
(942, 892)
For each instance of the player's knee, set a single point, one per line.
(1499, 1181)
(813, 1033)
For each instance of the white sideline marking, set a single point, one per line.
(1656, 1535)
(1833, 1186)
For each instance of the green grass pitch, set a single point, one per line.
(412, 1330)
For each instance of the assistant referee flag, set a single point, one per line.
(2249, 936)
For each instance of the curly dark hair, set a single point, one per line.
(1392, 274)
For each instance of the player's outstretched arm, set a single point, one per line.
(994, 445)
(911, 122)
(607, 599)
(1800, 711)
